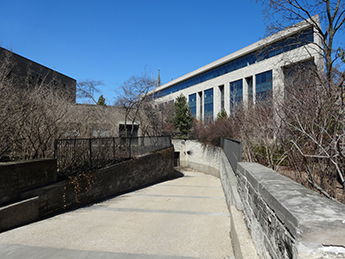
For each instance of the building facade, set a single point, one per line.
(245, 76)
(27, 73)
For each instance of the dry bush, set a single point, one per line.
(212, 132)
(314, 124)
(33, 122)
(302, 134)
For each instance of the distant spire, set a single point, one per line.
(159, 78)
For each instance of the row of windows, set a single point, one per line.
(263, 91)
(274, 49)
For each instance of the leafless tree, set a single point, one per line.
(132, 95)
(86, 90)
(281, 14)
(313, 110)
(314, 132)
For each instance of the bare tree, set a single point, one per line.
(132, 95)
(314, 133)
(281, 14)
(86, 90)
(310, 128)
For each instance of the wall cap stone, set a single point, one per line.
(26, 161)
(309, 216)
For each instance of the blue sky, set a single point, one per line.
(111, 40)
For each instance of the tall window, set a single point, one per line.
(200, 104)
(264, 85)
(192, 104)
(299, 73)
(221, 89)
(208, 102)
(249, 81)
(236, 94)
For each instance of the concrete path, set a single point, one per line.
(184, 217)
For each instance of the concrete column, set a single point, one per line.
(254, 88)
(245, 92)
(227, 97)
(200, 102)
(216, 101)
(278, 83)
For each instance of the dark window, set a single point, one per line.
(208, 103)
(264, 85)
(192, 104)
(236, 94)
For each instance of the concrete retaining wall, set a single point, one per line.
(88, 188)
(284, 219)
(19, 213)
(16, 177)
(198, 156)
(104, 183)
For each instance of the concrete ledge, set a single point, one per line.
(229, 183)
(242, 242)
(203, 168)
(18, 214)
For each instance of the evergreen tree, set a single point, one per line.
(222, 115)
(183, 118)
(101, 100)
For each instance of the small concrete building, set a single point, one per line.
(254, 72)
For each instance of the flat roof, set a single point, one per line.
(246, 50)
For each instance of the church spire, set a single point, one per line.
(159, 78)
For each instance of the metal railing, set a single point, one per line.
(233, 151)
(75, 156)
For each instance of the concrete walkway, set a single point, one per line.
(184, 217)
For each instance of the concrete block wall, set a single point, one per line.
(19, 213)
(104, 183)
(16, 177)
(40, 202)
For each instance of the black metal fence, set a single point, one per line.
(233, 151)
(75, 156)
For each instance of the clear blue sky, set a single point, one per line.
(111, 40)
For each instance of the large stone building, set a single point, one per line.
(255, 72)
(27, 73)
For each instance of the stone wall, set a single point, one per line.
(16, 177)
(284, 219)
